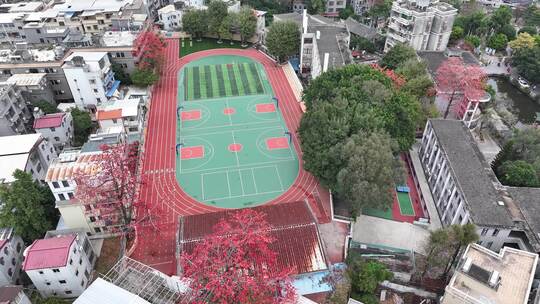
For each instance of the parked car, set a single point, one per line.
(523, 83)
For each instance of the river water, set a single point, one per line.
(519, 103)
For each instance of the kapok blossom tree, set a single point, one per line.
(110, 185)
(455, 78)
(397, 79)
(149, 46)
(234, 264)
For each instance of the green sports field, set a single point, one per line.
(233, 147)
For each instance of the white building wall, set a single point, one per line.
(171, 20)
(61, 136)
(68, 281)
(39, 160)
(11, 257)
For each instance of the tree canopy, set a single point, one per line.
(344, 106)
(46, 107)
(144, 77)
(397, 55)
(28, 207)
(283, 40)
(195, 23)
(216, 12)
(523, 40)
(365, 276)
(238, 268)
(527, 62)
(316, 7)
(82, 126)
(247, 23)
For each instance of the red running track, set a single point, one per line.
(162, 199)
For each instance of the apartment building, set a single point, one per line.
(362, 6)
(11, 256)
(170, 18)
(34, 87)
(423, 24)
(60, 264)
(14, 113)
(57, 128)
(333, 7)
(90, 78)
(11, 25)
(484, 276)
(466, 190)
(126, 113)
(13, 294)
(31, 153)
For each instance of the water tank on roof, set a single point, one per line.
(78, 61)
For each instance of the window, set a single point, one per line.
(62, 281)
(80, 261)
(489, 244)
(61, 196)
(56, 185)
(92, 81)
(2, 262)
(56, 270)
(71, 196)
(484, 231)
(65, 184)
(495, 232)
(10, 272)
(6, 250)
(98, 99)
(57, 138)
(19, 247)
(48, 283)
(86, 274)
(13, 261)
(68, 292)
(40, 272)
(97, 230)
(70, 261)
(77, 273)
(61, 23)
(82, 282)
(38, 31)
(96, 90)
(92, 219)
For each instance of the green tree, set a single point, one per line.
(531, 30)
(369, 170)
(473, 40)
(527, 62)
(498, 42)
(532, 15)
(499, 18)
(460, 237)
(195, 23)
(509, 31)
(381, 9)
(144, 78)
(365, 276)
(475, 23)
(436, 250)
(397, 55)
(27, 206)
(82, 126)
(518, 173)
(247, 23)
(346, 12)
(362, 43)
(216, 12)
(523, 40)
(283, 40)
(46, 107)
(457, 33)
(226, 28)
(316, 7)
(120, 74)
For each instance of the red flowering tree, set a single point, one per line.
(397, 79)
(149, 48)
(236, 265)
(108, 186)
(455, 78)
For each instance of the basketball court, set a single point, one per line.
(232, 144)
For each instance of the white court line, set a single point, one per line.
(254, 129)
(279, 178)
(235, 153)
(241, 182)
(241, 167)
(228, 115)
(240, 196)
(202, 187)
(228, 183)
(254, 182)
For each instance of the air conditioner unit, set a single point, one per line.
(467, 265)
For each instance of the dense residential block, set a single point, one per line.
(11, 256)
(57, 128)
(14, 114)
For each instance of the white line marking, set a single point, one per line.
(241, 181)
(228, 183)
(235, 153)
(202, 186)
(239, 196)
(279, 178)
(239, 167)
(254, 182)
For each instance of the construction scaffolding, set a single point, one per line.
(145, 282)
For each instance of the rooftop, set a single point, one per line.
(32, 79)
(528, 201)
(48, 253)
(69, 164)
(18, 144)
(473, 174)
(293, 227)
(9, 293)
(360, 29)
(118, 39)
(515, 270)
(328, 43)
(88, 56)
(127, 108)
(101, 291)
(434, 59)
(109, 114)
(49, 121)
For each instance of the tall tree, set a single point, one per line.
(369, 170)
(527, 62)
(518, 173)
(316, 7)
(436, 250)
(28, 207)
(82, 126)
(111, 186)
(149, 47)
(283, 40)
(195, 23)
(238, 268)
(365, 277)
(397, 55)
(460, 236)
(499, 18)
(247, 23)
(523, 41)
(226, 28)
(455, 78)
(217, 13)
(498, 42)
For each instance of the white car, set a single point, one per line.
(523, 83)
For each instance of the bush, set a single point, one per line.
(518, 173)
(144, 78)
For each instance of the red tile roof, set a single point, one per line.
(294, 228)
(48, 253)
(111, 114)
(49, 121)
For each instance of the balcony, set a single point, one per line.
(397, 37)
(403, 21)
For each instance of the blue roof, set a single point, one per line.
(113, 88)
(295, 62)
(312, 282)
